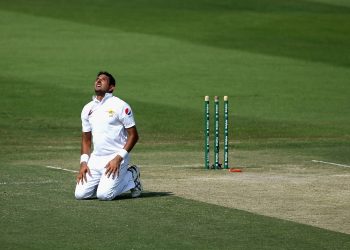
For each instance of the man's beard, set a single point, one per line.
(100, 92)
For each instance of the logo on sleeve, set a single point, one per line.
(128, 111)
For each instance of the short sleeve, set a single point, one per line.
(86, 127)
(127, 117)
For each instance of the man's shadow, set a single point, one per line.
(144, 195)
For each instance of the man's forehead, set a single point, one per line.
(102, 76)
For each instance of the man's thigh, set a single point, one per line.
(96, 165)
(88, 189)
(110, 187)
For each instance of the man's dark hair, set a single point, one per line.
(111, 79)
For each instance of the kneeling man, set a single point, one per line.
(107, 123)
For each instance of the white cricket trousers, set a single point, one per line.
(99, 185)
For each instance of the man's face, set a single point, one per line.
(102, 85)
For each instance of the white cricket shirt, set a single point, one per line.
(107, 120)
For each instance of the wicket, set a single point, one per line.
(216, 164)
(206, 131)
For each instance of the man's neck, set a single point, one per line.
(101, 96)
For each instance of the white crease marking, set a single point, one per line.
(332, 163)
(63, 169)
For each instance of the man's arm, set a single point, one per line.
(113, 166)
(85, 150)
(86, 143)
(133, 137)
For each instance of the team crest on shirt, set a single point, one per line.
(128, 111)
(110, 112)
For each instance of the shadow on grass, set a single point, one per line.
(144, 195)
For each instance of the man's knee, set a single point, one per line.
(79, 195)
(105, 195)
(82, 194)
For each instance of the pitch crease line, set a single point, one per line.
(63, 169)
(27, 182)
(332, 163)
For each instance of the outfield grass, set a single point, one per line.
(283, 64)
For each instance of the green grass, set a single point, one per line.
(47, 216)
(304, 28)
(283, 63)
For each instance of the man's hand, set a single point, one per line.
(82, 173)
(112, 168)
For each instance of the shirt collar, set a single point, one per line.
(107, 96)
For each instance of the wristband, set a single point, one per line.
(84, 158)
(123, 153)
